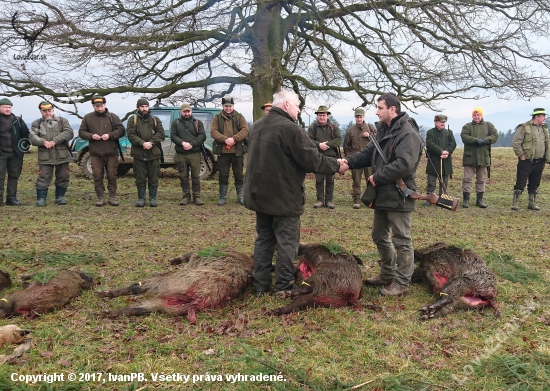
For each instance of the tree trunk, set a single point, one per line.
(267, 47)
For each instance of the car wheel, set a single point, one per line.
(86, 165)
(205, 171)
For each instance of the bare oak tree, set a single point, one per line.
(424, 50)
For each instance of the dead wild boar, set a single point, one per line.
(206, 281)
(459, 279)
(50, 291)
(326, 276)
(5, 280)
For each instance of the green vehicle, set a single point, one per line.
(166, 114)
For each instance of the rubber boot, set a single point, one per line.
(141, 196)
(532, 202)
(60, 195)
(112, 197)
(184, 182)
(100, 192)
(515, 201)
(223, 195)
(479, 201)
(41, 195)
(196, 186)
(320, 193)
(153, 196)
(239, 189)
(465, 200)
(329, 194)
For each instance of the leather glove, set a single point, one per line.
(480, 141)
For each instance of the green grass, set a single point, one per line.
(381, 345)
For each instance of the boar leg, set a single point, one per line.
(299, 303)
(156, 304)
(431, 311)
(134, 289)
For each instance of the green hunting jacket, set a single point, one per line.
(42, 131)
(183, 129)
(280, 155)
(438, 141)
(20, 133)
(402, 146)
(478, 155)
(525, 141)
(145, 128)
(329, 132)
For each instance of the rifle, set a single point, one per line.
(444, 201)
(202, 148)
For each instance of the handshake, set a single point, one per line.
(343, 166)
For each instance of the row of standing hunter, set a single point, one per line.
(530, 144)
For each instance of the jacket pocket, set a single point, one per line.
(43, 155)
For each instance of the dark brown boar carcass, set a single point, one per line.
(204, 282)
(39, 297)
(5, 280)
(324, 278)
(459, 279)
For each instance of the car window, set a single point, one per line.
(206, 119)
(164, 117)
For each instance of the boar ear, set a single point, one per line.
(23, 332)
(303, 248)
(358, 260)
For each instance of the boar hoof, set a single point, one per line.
(424, 317)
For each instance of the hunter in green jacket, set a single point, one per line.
(477, 137)
(146, 133)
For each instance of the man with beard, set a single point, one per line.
(229, 131)
(146, 133)
(188, 134)
(103, 129)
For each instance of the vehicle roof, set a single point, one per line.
(212, 110)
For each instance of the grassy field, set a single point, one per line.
(380, 346)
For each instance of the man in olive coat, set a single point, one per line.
(229, 130)
(532, 147)
(328, 138)
(477, 137)
(14, 143)
(51, 134)
(392, 210)
(357, 138)
(146, 133)
(103, 129)
(188, 134)
(440, 144)
(280, 155)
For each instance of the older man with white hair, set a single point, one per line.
(279, 156)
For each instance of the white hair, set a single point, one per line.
(284, 96)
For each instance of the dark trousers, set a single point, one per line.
(13, 167)
(529, 171)
(326, 194)
(356, 176)
(229, 160)
(45, 175)
(101, 164)
(396, 251)
(147, 172)
(275, 233)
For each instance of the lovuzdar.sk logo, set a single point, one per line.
(29, 30)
